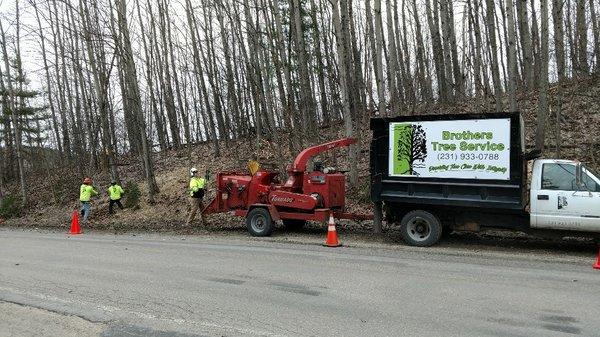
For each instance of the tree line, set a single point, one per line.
(105, 78)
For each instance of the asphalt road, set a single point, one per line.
(159, 285)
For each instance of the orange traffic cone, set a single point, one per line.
(75, 229)
(332, 237)
(597, 264)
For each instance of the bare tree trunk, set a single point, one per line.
(526, 46)
(155, 71)
(448, 13)
(72, 103)
(97, 59)
(582, 39)
(341, 31)
(7, 154)
(438, 52)
(596, 33)
(493, 52)
(212, 74)
(503, 46)
(232, 99)
(61, 92)
(48, 81)
(320, 64)
(78, 136)
(184, 118)
(393, 61)
(254, 70)
(559, 50)
(512, 57)
(409, 83)
(200, 82)
(270, 115)
(440, 11)
(475, 55)
(422, 64)
(150, 79)
(12, 104)
(559, 44)
(135, 100)
(535, 43)
(165, 71)
(404, 95)
(271, 39)
(306, 97)
(543, 103)
(358, 82)
(572, 40)
(289, 101)
(378, 57)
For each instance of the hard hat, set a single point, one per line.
(87, 181)
(193, 170)
(112, 182)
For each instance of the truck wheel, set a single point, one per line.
(259, 222)
(294, 225)
(420, 228)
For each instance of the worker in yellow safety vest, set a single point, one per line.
(86, 191)
(196, 193)
(115, 192)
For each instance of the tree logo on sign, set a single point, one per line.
(410, 148)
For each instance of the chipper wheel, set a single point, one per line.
(259, 222)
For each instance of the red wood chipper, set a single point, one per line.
(262, 199)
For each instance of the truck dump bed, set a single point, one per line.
(464, 160)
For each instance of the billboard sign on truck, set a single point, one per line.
(459, 149)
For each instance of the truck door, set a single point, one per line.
(560, 204)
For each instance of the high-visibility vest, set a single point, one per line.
(196, 185)
(86, 192)
(115, 191)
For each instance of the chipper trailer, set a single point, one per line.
(436, 173)
(305, 196)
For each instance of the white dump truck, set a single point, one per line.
(439, 173)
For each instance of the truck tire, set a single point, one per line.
(294, 225)
(420, 228)
(259, 222)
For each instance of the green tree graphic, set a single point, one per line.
(410, 146)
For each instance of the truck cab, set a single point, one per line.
(564, 195)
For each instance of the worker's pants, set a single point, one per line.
(111, 204)
(195, 204)
(85, 210)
